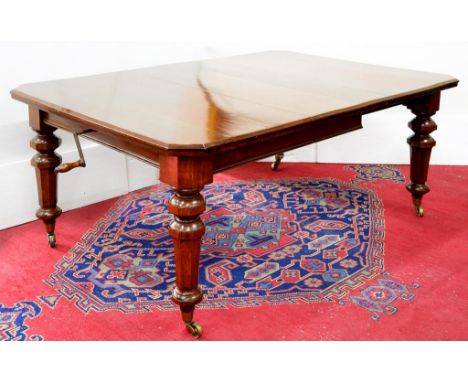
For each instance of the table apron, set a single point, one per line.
(224, 157)
(275, 142)
(137, 148)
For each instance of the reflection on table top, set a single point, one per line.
(206, 103)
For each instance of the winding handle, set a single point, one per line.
(65, 167)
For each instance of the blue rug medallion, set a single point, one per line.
(272, 241)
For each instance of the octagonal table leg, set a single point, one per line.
(187, 176)
(45, 163)
(421, 144)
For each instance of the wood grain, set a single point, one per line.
(211, 103)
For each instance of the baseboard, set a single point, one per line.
(108, 174)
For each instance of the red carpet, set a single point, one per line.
(426, 257)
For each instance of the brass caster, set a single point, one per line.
(51, 237)
(419, 211)
(195, 329)
(276, 163)
(417, 205)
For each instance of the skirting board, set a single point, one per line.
(108, 174)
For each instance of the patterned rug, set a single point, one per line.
(308, 252)
(266, 242)
(12, 321)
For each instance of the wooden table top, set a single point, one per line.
(203, 104)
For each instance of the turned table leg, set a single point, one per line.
(187, 230)
(45, 162)
(421, 144)
(187, 175)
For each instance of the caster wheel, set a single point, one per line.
(276, 163)
(51, 237)
(195, 329)
(419, 211)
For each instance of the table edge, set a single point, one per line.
(363, 108)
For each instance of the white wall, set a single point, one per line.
(108, 174)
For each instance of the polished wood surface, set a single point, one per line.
(198, 105)
(195, 119)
